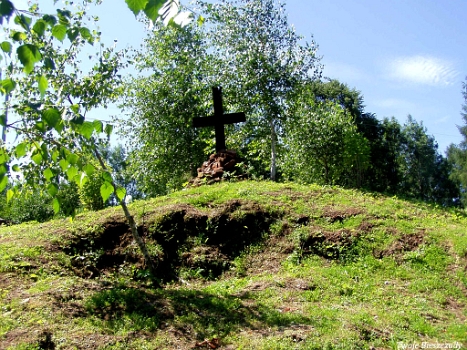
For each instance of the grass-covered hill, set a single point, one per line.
(247, 265)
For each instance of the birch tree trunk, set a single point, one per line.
(131, 222)
(273, 150)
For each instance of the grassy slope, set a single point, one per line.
(248, 265)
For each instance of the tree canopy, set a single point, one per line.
(49, 96)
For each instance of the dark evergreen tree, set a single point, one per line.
(457, 154)
(383, 137)
(424, 172)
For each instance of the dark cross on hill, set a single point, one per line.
(219, 119)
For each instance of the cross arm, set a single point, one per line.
(231, 118)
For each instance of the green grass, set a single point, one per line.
(320, 268)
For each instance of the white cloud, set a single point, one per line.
(424, 70)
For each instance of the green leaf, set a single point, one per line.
(37, 158)
(29, 55)
(3, 169)
(16, 168)
(52, 189)
(64, 13)
(200, 20)
(98, 126)
(48, 174)
(9, 195)
(6, 46)
(136, 5)
(108, 129)
(72, 158)
(106, 176)
(86, 34)
(152, 9)
(59, 31)
(106, 190)
(71, 173)
(4, 158)
(51, 116)
(63, 164)
(89, 169)
(56, 205)
(3, 120)
(19, 36)
(7, 86)
(23, 21)
(3, 182)
(6, 8)
(41, 126)
(121, 193)
(21, 149)
(63, 16)
(78, 120)
(43, 84)
(75, 108)
(50, 20)
(86, 129)
(72, 34)
(40, 27)
(49, 63)
(59, 126)
(55, 155)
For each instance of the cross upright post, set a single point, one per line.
(219, 119)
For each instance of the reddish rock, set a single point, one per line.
(230, 164)
(219, 166)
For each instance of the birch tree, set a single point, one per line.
(264, 60)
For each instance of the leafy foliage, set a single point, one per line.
(166, 148)
(418, 157)
(29, 205)
(323, 144)
(35, 204)
(50, 119)
(263, 62)
(90, 194)
(54, 135)
(457, 154)
(403, 159)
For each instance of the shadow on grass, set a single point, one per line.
(194, 314)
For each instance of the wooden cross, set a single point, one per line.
(219, 119)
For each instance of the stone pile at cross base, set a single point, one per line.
(221, 165)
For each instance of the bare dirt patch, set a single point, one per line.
(187, 237)
(403, 244)
(330, 244)
(332, 214)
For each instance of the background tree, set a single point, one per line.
(174, 85)
(323, 144)
(383, 136)
(424, 173)
(51, 124)
(384, 174)
(457, 154)
(263, 61)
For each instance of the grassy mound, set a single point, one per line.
(248, 265)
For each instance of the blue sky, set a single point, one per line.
(404, 56)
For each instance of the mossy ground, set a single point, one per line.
(247, 265)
